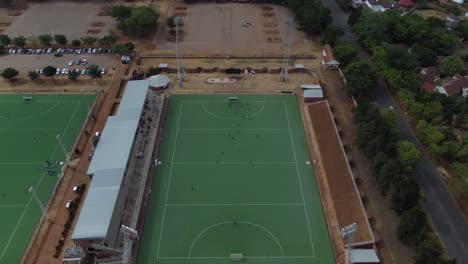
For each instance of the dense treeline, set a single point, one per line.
(400, 46)
(311, 15)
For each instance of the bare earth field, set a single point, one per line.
(68, 18)
(232, 26)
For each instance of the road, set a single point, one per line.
(442, 209)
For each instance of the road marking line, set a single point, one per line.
(12, 205)
(30, 129)
(234, 204)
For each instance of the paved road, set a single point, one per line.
(440, 206)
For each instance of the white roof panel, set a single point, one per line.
(364, 256)
(109, 163)
(313, 93)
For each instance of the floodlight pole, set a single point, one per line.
(43, 210)
(347, 234)
(180, 67)
(284, 68)
(130, 235)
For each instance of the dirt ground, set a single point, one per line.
(231, 26)
(69, 18)
(383, 219)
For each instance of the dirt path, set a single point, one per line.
(385, 220)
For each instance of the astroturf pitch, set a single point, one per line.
(234, 178)
(28, 132)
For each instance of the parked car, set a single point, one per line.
(38, 51)
(95, 51)
(49, 50)
(71, 62)
(69, 204)
(59, 50)
(58, 54)
(78, 62)
(84, 62)
(76, 188)
(84, 71)
(58, 71)
(103, 71)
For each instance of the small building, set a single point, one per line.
(453, 86)
(312, 92)
(299, 67)
(380, 5)
(406, 3)
(452, 21)
(430, 74)
(329, 62)
(364, 256)
(460, 2)
(163, 67)
(158, 82)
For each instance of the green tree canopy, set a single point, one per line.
(49, 71)
(45, 39)
(60, 39)
(463, 28)
(332, 33)
(19, 41)
(88, 40)
(76, 43)
(360, 78)
(345, 53)
(9, 73)
(33, 75)
(450, 65)
(108, 40)
(170, 22)
(73, 75)
(142, 21)
(405, 193)
(123, 49)
(2, 49)
(408, 155)
(413, 226)
(426, 56)
(120, 12)
(5, 40)
(94, 71)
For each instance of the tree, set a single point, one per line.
(76, 43)
(429, 135)
(45, 39)
(94, 71)
(73, 75)
(152, 71)
(408, 155)
(19, 41)
(120, 12)
(49, 71)
(429, 251)
(108, 40)
(426, 56)
(413, 226)
(123, 49)
(5, 40)
(360, 78)
(332, 33)
(33, 75)
(142, 21)
(60, 39)
(345, 53)
(2, 49)
(9, 73)
(405, 193)
(463, 28)
(170, 22)
(450, 65)
(89, 40)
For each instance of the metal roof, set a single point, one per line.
(311, 86)
(313, 93)
(158, 80)
(109, 163)
(364, 256)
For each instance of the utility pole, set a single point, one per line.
(180, 67)
(43, 210)
(284, 68)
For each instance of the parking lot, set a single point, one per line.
(24, 63)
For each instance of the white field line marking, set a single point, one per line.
(233, 204)
(12, 205)
(245, 256)
(19, 101)
(299, 178)
(232, 162)
(233, 129)
(169, 180)
(37, 185)
(30, 129)
(246, 223)
(231, 118)
(33, 116)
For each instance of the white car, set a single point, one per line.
(71, 62)
(49, 50)
(103, 71)
(58, 71)
(84, 62)
(64, 71)
(84, 71)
